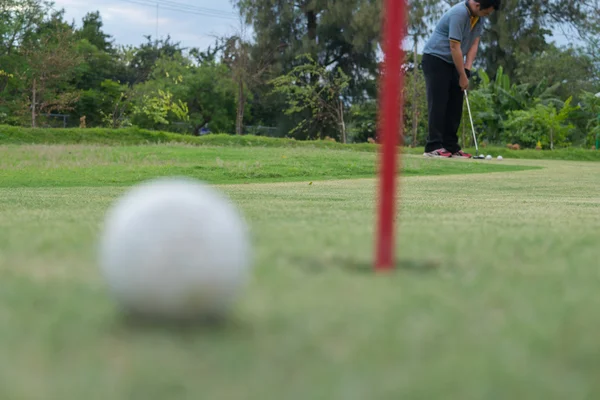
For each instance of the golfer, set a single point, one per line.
(447, 72)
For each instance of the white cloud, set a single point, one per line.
(128, 23)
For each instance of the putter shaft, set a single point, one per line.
(472, 126)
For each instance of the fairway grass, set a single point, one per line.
(495, 295)
(93, 165)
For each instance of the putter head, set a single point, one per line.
(479, 157)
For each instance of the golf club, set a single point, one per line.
(473, 129)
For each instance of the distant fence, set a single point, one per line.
(54, 120)
(259, 130)
(185, 128)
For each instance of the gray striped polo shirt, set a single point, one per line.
(458, 25)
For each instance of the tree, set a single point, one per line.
(322, 98)
(362, 126)
(50, 60)
(247, 71)
(342, 35)
(100, 58)
(206, 89)
(91, 30)
(18, 20)
(140, 61)
(570, 67)
(158, 110)
(493, 100)
(541, 123)
(590, 116)
(522, 27)
(415, 105)
(105, 105)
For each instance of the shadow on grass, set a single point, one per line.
(361, 266)
(232, 325)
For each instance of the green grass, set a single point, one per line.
(133, 136)
(85, 165)
(136, 136)
(495, 295)
(567, 154)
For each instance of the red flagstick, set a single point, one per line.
(390, 129)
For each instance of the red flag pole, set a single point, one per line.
(390, 129)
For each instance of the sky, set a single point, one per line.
(193, 23)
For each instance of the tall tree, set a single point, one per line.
(523, 27)
(50, 61)
(100, 60)
(18, 20)
(248, 69)
(91, 30)
(337, 34)
(568, 66)
(142, 59)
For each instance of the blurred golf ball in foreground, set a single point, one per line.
(175, 248)
(488, 157)
(499, 157)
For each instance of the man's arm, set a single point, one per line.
(457, 57)
(471, 54)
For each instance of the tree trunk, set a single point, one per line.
(3, 83)
(415, 122)
(240, 108)
(311, 25)
(33, 104)
(551, 139)
(342, 123)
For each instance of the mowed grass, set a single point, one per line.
(94, 165)
(495, 295)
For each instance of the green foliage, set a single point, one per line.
(78, 69)
(104, 106)
(493, 101)
(347, 32)
(311, 89)
(570, 68)
(541, 123)
(421, 16)
(158, 109)
(415, 108)
(590, 107)
(520, 30)
(206, 90)
(141, 61)
(363, 126)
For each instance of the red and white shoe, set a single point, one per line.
(461, 154)
(438, 153)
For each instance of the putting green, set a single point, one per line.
(495, 295)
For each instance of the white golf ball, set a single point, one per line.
(175, 248)
(488, 157)
(499, 157)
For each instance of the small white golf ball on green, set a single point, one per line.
(175, 249)
(488, 157)
(499, 157)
